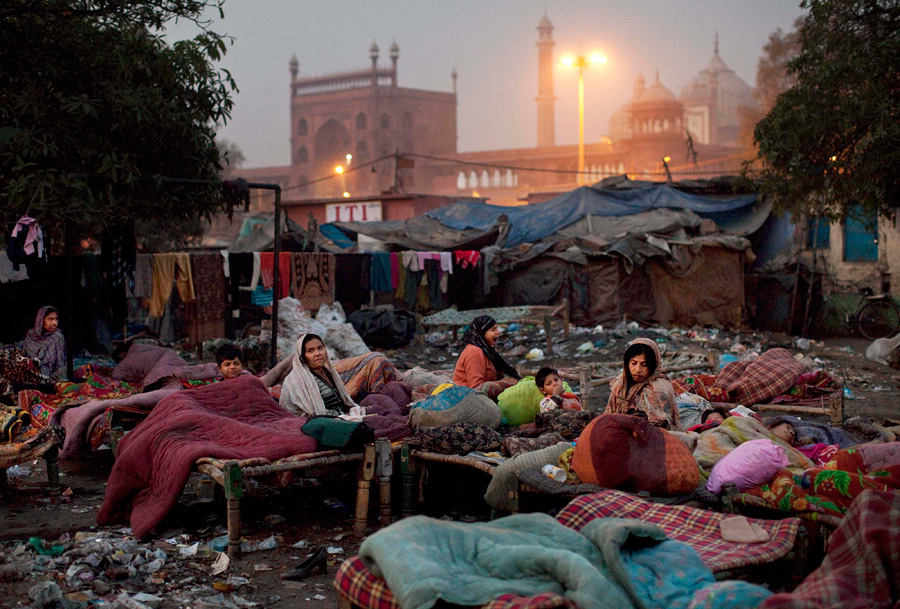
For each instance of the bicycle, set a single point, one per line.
(875, 315)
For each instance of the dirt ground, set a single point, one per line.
(316, 513)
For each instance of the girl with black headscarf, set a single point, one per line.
(479, 362)
(45, 342)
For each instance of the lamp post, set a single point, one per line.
(582, 63)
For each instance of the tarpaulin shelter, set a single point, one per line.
(647, 252)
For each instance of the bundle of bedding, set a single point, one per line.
(234, 419)
(609, 562)
(826, 493)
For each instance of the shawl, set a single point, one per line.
(654, 396)
(300, 392)
(48, 347)
(474, 335)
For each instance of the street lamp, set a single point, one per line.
(582, 63)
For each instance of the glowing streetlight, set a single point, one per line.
(346, 195)
(348, 157)
(582, 63)
(339, 169)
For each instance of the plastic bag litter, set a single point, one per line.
(330, 315)
(535, 355)
(345, 341)
(881, 348)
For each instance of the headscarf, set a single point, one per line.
(300, 392)
(48, 347)
(474, 335)
(624, 396)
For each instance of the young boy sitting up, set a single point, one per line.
(548, 381)
(229, 359)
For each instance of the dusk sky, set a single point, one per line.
(491, 45)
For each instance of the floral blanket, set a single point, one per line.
(91, 384)
(829, 490)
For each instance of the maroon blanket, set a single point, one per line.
(862, 566)
(235, 419)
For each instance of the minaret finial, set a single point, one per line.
(716, 49)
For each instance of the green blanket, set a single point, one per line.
(424, 559)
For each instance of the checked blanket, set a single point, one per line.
(363, 588)
(757, 382)
(696, 527)
(862, 563)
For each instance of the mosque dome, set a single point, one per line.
(718, 85)
(657, 92)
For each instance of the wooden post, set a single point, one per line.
(384, 468)
(409, 480)
(367, 472)
(234, 489)
(52, 459)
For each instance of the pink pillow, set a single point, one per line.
(751, 464)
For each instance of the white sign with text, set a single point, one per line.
(365, 211)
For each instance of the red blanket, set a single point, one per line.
(235, 419)
(862, 566)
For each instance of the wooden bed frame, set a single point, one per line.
(375, 462)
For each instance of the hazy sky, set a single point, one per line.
(491, 45)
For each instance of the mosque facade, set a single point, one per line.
(366, 115)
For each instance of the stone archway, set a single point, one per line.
(332, 144)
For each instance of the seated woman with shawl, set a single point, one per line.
(313, 387)
(642, 391)
(479, 365)
(45, 342)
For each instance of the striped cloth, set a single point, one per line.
(355, 582)
(696, 527)
(757, 382)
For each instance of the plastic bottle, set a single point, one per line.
(554, 473)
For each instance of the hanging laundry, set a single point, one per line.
(395, 270)
(206, 314)
(266, 272)
(143, 276)
(467, 258)
(350, 292)
(381, 272)
(26, 242)
(169, 268)
(313, 279)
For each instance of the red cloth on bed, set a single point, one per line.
(234, 419)
(862, 564)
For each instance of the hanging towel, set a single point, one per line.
(381, 272)
(267, 272)
(34, 239)
(467, 258)
(410, 260)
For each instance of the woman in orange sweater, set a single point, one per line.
(479, 365)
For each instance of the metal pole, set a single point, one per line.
(276, 279)
(580, 121)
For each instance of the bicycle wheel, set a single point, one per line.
(878, 319)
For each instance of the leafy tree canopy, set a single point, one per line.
(96, 107)
(831, 142)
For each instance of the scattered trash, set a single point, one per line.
(848, 394)
(187, 551)
(269, 543)
(274, 519)
(18, 471)
(335, 550)
(587, 347)
(302, 543)
(219, 544)
(726, 358)
(802, 343)
(41, 547)
(221, 564)
(535, 355)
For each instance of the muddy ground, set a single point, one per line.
(319, 511)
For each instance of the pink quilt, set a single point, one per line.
(234, 419)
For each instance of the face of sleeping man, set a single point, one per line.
(314, 353)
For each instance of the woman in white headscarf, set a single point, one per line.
(313, 387)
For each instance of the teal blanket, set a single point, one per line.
(611, 563)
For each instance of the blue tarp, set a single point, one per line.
(530, 223)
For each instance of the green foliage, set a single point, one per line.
(96, 107)
(832, 140)
(772, 79)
